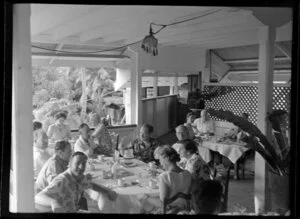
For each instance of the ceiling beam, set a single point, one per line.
(241, 61)
(71, 56)
(218, 65)
(284, 50)
(58, 14)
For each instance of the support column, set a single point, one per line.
(155, 93)
(266, 36)
(207, 70)
(22, 182)
(176, 90)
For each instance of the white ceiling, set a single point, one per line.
(86, 28)
(109, 26)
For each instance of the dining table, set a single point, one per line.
(135, 176)
(229, 148)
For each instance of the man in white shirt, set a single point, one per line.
(204, 124)
(40, 153)
(85, 142)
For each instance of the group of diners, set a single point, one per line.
(61, 181)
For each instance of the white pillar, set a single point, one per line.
(207, 69)
(176, 90)
(155, 82)
(22, 142)
(265, 91)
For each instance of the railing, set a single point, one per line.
(125, 132)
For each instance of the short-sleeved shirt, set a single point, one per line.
(84, 146)
(59, 132)
(197, 167)
(66, 190)
(142, 152)
(177, 182)
(204, 127)
(40, 157)
(54, 166)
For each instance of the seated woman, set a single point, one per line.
(40, 143)
(62, 194)
(204, 124)
(59, 131)
(101, 133)
(198, 168)
(144, 147)
(190, 118)
(171, 181)
(85, 142)
(207, 198)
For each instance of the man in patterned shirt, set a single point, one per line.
(63, 193)
(55, 165)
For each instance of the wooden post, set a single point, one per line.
(207, 70)
(176, 90)
(155, 93)
(266, 36)
(22, 182)
(83, 97)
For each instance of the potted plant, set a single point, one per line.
(276, 153)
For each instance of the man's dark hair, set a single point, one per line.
(189, 145)
(82, 125)
(149, 127)
(37, 125)
(61, 145)
(207, 198)
(61, 114)
(79, 153)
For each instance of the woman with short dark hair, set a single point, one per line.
(171, 181)
(59, 131)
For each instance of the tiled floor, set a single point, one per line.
(241, 192)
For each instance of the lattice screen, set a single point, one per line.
(244, 99)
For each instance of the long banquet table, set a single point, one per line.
(130, 196)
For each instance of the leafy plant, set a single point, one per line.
(276, 154)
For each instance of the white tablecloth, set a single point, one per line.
(130, 197)
(233, 150)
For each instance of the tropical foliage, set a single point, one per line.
(60, 88)
(277, 153)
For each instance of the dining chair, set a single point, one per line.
(223, 175)
(168, 201)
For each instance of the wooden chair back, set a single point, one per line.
(168, 201)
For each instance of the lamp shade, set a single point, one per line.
(149, 43)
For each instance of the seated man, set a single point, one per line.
(85, 142)
(204, 124)
(62, 194)
(55, 165)
(40, 143)
(144, 146)
(182, 133)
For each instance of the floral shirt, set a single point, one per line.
(53, 166)
(143, 153)
(198, 167)
(67, 190)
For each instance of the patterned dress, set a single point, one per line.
(67, 190)
(105, 145)
(143, 153)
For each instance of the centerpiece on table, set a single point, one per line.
(275, 153)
